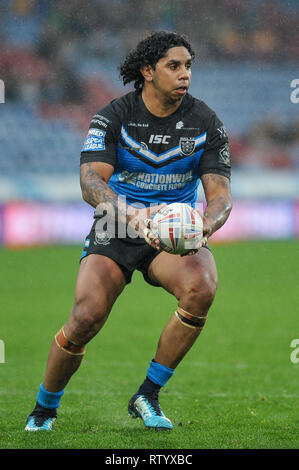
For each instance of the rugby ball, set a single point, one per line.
(171, 223)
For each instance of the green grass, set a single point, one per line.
(236, 388)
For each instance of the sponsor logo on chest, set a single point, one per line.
(159, 139)
(186, 144)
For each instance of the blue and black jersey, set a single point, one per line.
(157, 159)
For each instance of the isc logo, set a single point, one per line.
(159, 139)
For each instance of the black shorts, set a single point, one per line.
(128, 253)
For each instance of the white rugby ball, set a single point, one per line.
(172, 223)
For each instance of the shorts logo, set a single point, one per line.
(187, 145)
(102, 238)
(224, 155)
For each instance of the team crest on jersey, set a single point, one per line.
(187, 145)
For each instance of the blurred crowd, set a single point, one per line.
(263, 30)
(268, 144)
(47, 43)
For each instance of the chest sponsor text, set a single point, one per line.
(156, 181)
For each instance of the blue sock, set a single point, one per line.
(48, 399)
(158, 373)
(157, 376)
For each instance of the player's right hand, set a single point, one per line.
(142, 223)
(150, 236)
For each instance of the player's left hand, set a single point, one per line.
(207, 231)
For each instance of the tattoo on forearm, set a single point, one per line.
(216, 179)
(217, 212)
(94, 188)
(219, 201)
(96, 191)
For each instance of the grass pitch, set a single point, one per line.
(236, 389)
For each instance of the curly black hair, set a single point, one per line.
(148, 52)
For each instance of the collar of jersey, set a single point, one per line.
(158, 158)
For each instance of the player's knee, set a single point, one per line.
(207, 294)
(198, 293)
(87, 316)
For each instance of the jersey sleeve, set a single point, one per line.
(101, 141)
(216, 156)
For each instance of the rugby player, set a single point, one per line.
(154, 145)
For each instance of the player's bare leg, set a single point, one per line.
(99, 283)
(193, 281)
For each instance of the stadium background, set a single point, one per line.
(58, 62)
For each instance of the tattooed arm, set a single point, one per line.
(94, 177)
(219, 205)
(219, 202)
